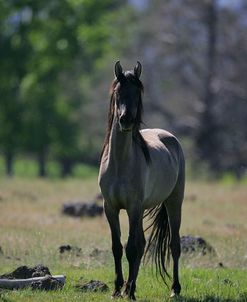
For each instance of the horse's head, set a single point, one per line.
(128, 101)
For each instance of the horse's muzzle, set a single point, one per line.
(126, 123)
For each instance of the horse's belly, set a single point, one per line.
(151, 203)
(155, 198)
(158, 187)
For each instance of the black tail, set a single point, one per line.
(157, 247)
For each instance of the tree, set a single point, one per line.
(195, 81)
(14, 45)
(206, 139)
(43, 42)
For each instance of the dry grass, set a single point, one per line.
(31, 223)
(31, 220)
(217, 212)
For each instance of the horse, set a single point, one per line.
(142, 172)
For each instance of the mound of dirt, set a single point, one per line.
(92, 286)
(195, 244)
(82, 209)
(25, 272)
(49, 283)
(17, 277)
(69, 248)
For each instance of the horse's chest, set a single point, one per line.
(120, 191)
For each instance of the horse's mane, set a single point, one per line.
(137, 137)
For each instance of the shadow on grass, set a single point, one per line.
(241, 298)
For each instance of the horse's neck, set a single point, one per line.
(120, 148)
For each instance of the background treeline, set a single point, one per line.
(56, 62)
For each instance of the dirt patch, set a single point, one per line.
(82, 209)
(64, 249)
(17, 277)
(49, 283)
(195, 244)
(92, 286)
(25, 272)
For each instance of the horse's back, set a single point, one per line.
(166, 162)
(161, 141)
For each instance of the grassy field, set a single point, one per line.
(32, 228)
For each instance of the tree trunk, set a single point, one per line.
(42, 164)
(9, 163)
(206, 138)
(66, 167)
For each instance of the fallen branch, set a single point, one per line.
(22, 283)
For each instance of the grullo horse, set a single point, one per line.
(141, 171)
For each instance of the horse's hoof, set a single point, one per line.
(116, 295)
(128, 296)
(174, 295)
(131, 297)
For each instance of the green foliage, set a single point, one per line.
(43, 43)
(56, 60)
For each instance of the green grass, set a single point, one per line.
(28, 168)
(32, 228)
(198, 285)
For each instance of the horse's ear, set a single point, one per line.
(118, 70)
(138, 70)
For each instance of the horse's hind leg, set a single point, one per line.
(174, 207)
(174, 215)
(117, 248)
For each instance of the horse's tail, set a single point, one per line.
(157, 247)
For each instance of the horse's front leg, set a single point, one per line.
(134, 250)
(117, 248)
